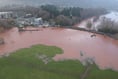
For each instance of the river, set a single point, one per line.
(102, 49)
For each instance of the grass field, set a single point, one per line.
(29, 63)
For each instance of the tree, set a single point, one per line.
(108, 26)
(74, 11)
(89, 24)
(88, 13)
(7, 24)
(63, 20)
(66, 12)
(44, 14)
(53, 10)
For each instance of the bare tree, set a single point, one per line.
(108, 26)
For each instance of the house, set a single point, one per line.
(46, 24)
(38, 21)
(29, 21)
(7, 15)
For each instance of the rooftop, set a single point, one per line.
(5, 12)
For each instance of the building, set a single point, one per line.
(7, 15)
(38, 21)
(30, 21)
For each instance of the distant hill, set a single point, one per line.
(107, 4)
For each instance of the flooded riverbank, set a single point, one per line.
(102, 49)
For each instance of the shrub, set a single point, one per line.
(7, 23)
(89, 24)
(63, 20)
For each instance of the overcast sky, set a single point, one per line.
(113, 4)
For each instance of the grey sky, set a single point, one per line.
(110, 4)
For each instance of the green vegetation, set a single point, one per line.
(29, 63)
(68, 16)
(96, 73)
(53, 10)
(61, 16)
(72, 11)
(63, 21)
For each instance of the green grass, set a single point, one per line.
(96, 73)
(25, 64)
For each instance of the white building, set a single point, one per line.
(32, 21)
(38, 21)
(7, 15)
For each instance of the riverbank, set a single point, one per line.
(1, 29)
(28, 63)
(114, 36)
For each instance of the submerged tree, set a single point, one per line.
(89, 24)
(108, 26)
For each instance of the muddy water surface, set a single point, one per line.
(102, 49)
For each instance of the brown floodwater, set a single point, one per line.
(102, 49)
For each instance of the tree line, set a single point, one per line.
(62, 16)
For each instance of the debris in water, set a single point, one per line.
(93, 35)
(1, 41)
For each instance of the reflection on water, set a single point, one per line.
(103, 50)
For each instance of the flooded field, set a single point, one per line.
(103, 50)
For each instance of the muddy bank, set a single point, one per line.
(1, 29)
(114, 36)
(102, 49)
